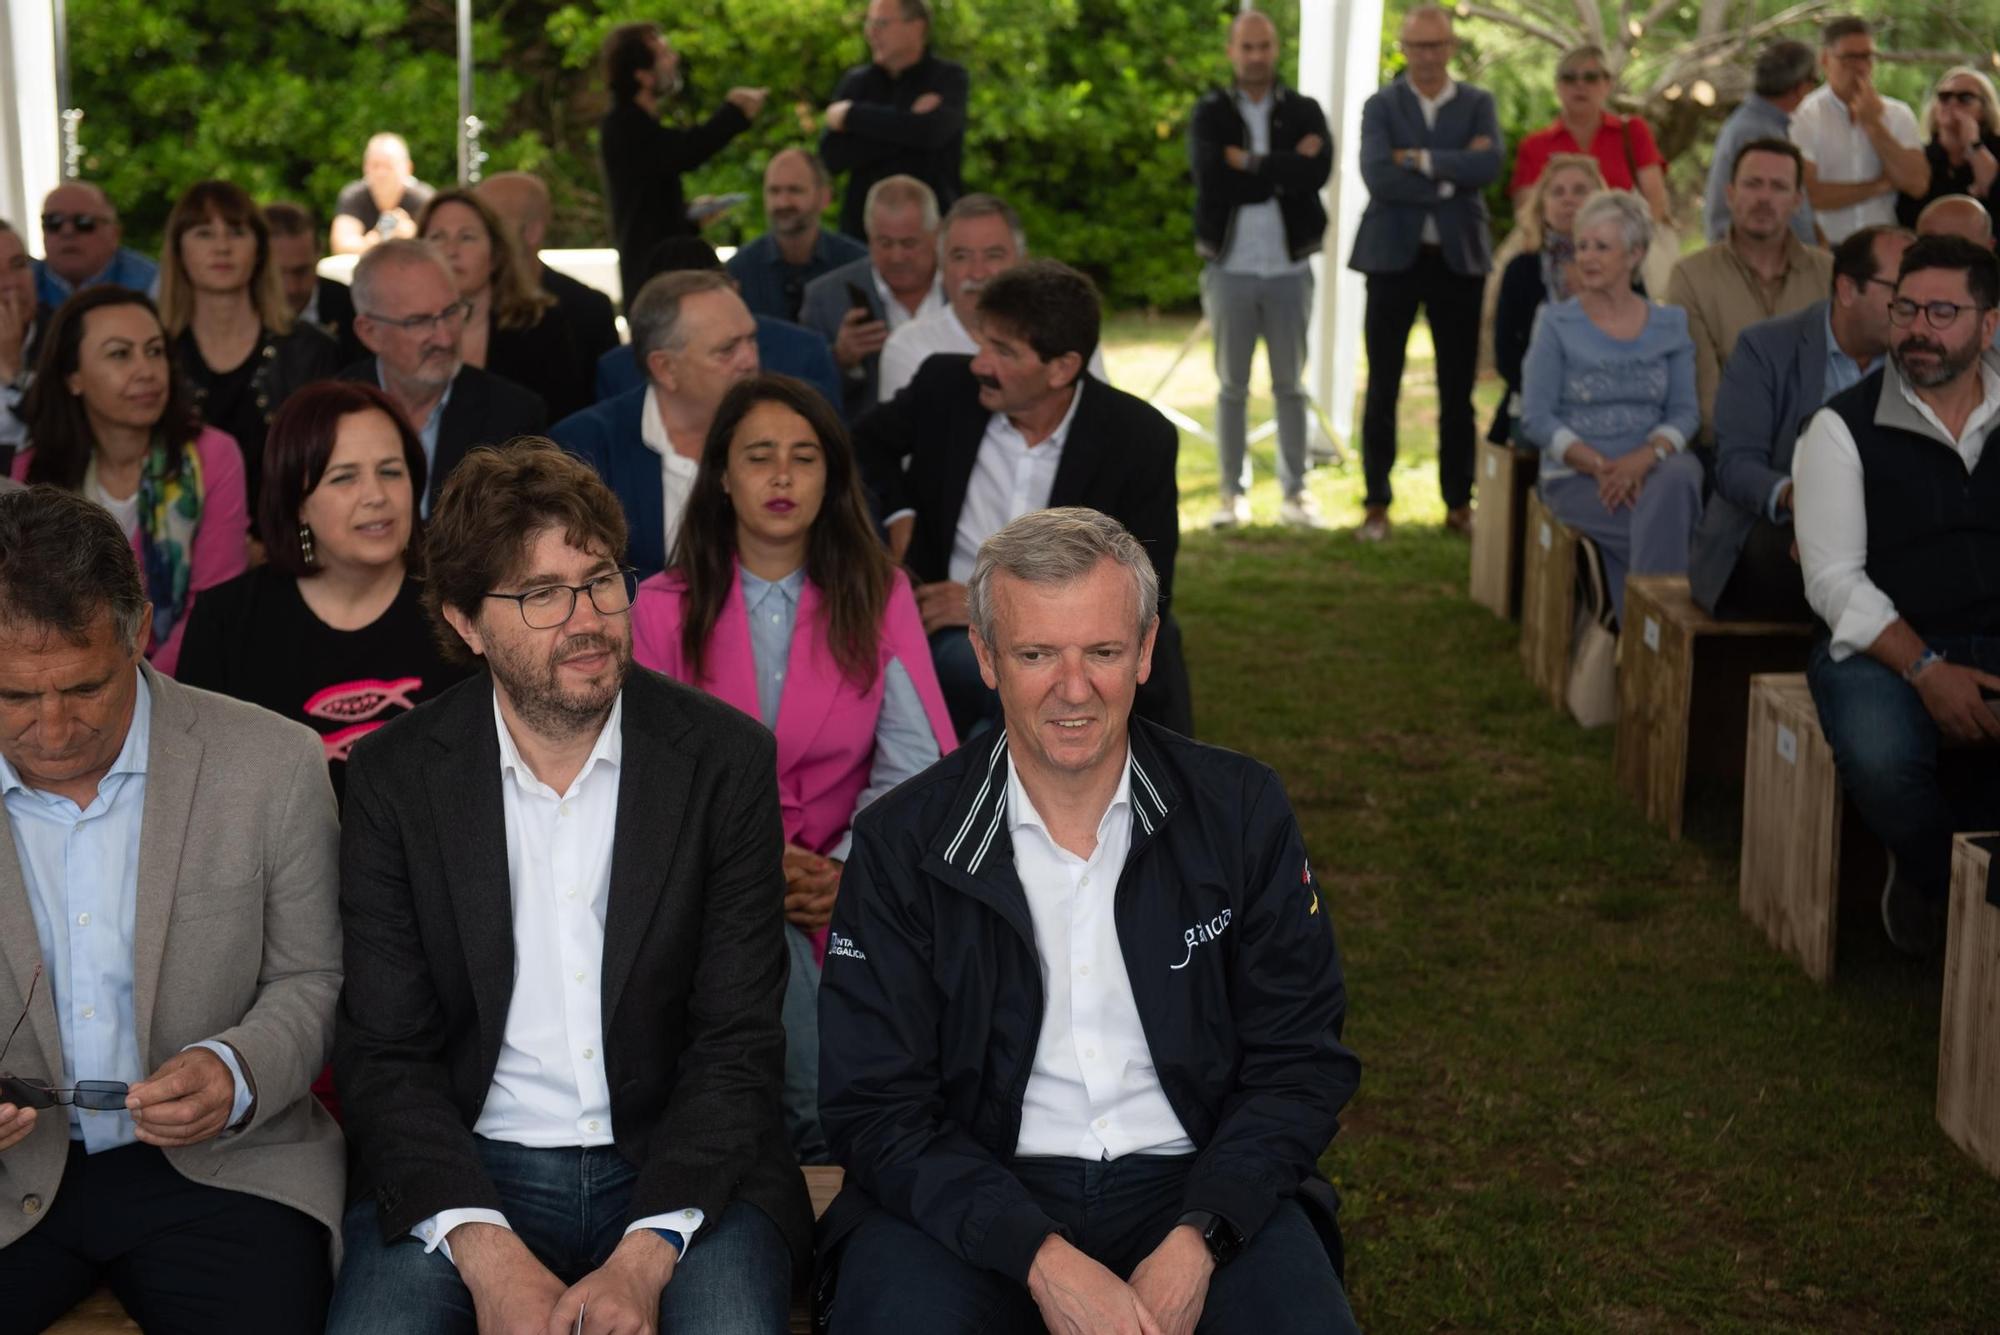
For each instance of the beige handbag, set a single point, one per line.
(1592, 694)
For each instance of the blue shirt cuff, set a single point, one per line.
(239, 1111)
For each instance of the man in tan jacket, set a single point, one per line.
(1759, 269)
(169, 961)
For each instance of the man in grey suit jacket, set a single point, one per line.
(1741, 567)
(857, 306)
(1428, 147)
(171, 951)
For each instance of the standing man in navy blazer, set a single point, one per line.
(1261, 155)
(1429, 145)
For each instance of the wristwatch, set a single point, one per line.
(1660, 451)
(1921, 663)
(1221, 1237)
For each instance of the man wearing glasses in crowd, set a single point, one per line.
(408, 313)
(561, 1058)
(80, 235)
(169, 962)
(1860, 147)
(1897, 510)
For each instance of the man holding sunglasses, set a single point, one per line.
(80, 234)
(408, 314)
(1897, 511)
(169, 961)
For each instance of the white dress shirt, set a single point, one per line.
(1010, 478)
(1830, 514)
(939, 331)
(549, 1089)
(1093, 1092)
(895, 312)
(1429, 106)
(677, 471)
(1834, 142)
(1257, 239)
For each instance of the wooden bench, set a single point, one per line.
(1548, 599)
(1802, 844)
(1506, 478)
(1684, 694)
(1968, 1097)
(100, 1314)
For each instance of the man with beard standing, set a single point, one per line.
(643, 159)
(1897, 510)
(560, 882)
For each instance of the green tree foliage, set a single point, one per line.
(1078, 107)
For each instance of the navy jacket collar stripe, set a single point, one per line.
(1148, 803)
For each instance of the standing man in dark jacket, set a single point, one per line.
(1429, 145)
(643, 159)
(902, 114)
(1261, 155)
(1080, 1021)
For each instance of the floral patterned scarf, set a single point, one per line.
(169, 513)
(1558, 253)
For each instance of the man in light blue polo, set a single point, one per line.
(1784, 75)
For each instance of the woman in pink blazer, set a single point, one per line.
(780, 600)
(108, 418)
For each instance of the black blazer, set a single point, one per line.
(592, 323)
(485, 409)
(544, 359)
(1119, 459)
(693, 970)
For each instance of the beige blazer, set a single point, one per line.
(237, 938)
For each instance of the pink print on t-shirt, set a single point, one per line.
(357, 703)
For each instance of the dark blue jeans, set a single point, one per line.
(1908, 788)
(974, 706)
(568, 1206)
(895, 1277)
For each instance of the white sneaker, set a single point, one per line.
(1301, 511)
(1233, 512)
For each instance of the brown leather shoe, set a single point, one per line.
(1458, 520)
(1375, 527)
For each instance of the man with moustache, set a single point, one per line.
(561, 1052)
(1744, 564)
(981, 237)
(772, 271)
(642, 159)
(1898, 518)
(80, 232)
(409, 316)
(1081, 1014)
(1758, 271)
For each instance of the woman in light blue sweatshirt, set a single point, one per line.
(1607, 391)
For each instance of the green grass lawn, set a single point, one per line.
(1593, 1097)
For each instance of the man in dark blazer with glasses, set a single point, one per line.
(1429, 146)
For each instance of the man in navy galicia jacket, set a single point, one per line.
(1080, 1019)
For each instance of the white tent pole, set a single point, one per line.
(31, 143)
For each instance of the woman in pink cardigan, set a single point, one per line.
(781, 601)
(107, 418)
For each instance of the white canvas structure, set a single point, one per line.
(30, 121)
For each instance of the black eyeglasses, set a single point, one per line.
(423, 324)
(1963, 96)
(84, 223)
(101, 1095)
(552, 605)
(1940, 314)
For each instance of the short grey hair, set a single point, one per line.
(369, 282)
(655, 316)
(1623, 208)
(1058, 546)
(64, 561)
(898, 192)
(981, 205)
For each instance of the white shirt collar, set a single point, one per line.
(609, 749)
(1446, 94)
(1989, 403)
(893, 309)
(653, 433)
(1060, 436)
(1021, 808)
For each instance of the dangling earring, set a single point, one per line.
(305, 542)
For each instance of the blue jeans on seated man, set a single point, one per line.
(1908, 787)
(568, 1206)
(895, 1277)
(974, 706)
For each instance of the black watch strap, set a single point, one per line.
(1220, 1236)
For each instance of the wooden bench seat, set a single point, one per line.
(1802, 844)
(1968, 1094)
(1548, 599)
(1506, 479)
(1684, 695)
(100, 1314)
